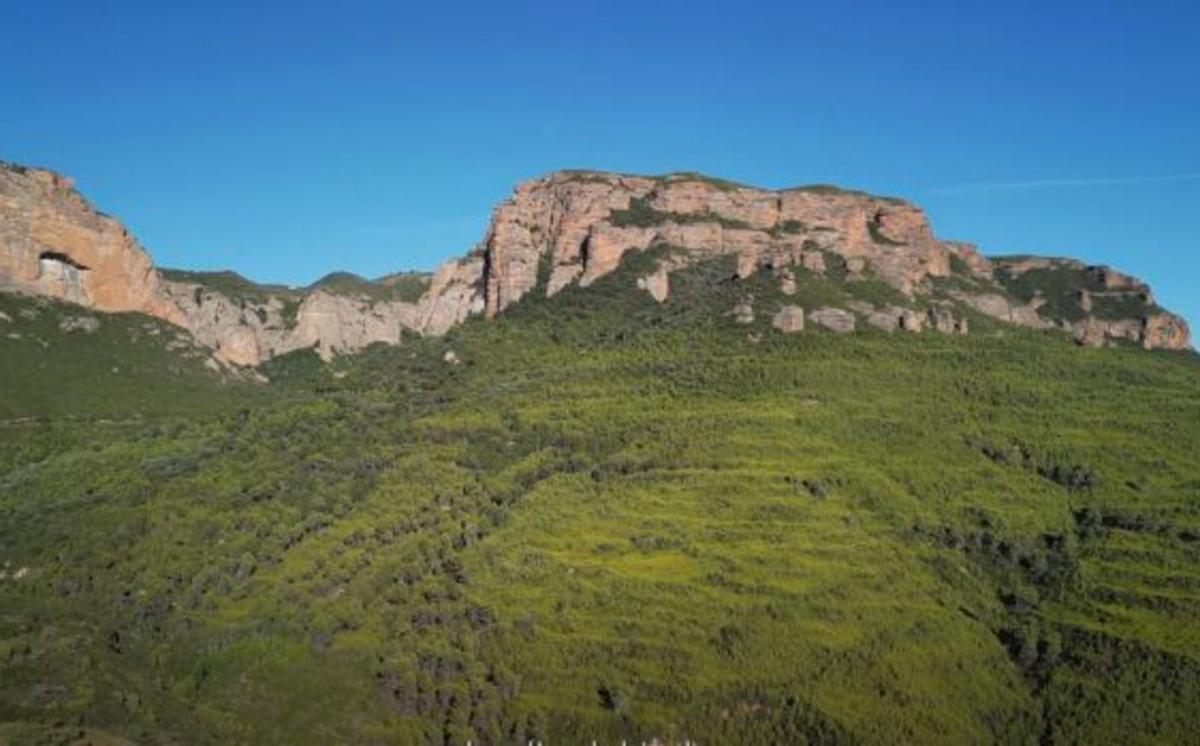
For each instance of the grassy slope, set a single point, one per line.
(129, 365)
(231, 284)
(616, 519)
(407, 287)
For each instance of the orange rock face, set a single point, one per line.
(1165, 331)
(56, 244)
(579, 224)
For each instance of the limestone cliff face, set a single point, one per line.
(248, 332)
(577, 226)
(1102, 304)
(573, 228)
(54, 243)
(581, 224)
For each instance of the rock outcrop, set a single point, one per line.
(836, 320)
(789, 320)
(1003, 308)
(1156, 331)
(54, 243)
(1102, 305)
(573, 228)
(580, 224)
(247, 332)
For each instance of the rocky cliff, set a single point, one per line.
(247, 329)
(572, 228)
(583, 223)
(54, 243)
(575, 227)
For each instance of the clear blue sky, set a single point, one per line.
(285, 140)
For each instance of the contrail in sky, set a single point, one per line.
(1000, 186)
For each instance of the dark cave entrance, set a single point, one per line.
(56, 256)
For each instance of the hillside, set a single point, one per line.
(604, 516)
(60, 360)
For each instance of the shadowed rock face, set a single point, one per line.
(573, 228)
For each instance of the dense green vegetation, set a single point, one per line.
(641, 213)
(616, 520)
(587, 176)
(59, 360)
(829, 189)
(1061, 287)
(406, 287)
(230, 284)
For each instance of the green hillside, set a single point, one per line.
(407, 287)
(61, 360)
(614, 519)
(230, 284)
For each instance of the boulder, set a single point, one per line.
(912, 321)
(943, 320)
(860, 307)
(743, 313)
(887, 319)
(836, 320)
(787, 282)
(789, 319)
(657, 283)
(86, 324)
(813, 261)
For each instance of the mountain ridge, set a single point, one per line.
(721, 491)
(572, 227)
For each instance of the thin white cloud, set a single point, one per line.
(1068, 183)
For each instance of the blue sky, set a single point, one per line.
(287, 140)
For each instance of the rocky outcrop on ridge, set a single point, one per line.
(1094, 303)
(573, 228)
(582, 223)
(54, 243)
(247, 331)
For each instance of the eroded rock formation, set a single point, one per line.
(247, 332)
(579, 226)
(54, 243)
(574, 228)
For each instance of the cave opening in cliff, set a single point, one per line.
(61, 258)
(585, 251)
